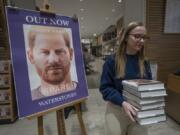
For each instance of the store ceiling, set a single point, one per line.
(94, 15)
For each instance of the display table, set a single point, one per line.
(173, 98)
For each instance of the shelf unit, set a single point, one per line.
(109, 47)
(8, 109)
(4, 44)
(7, 96)
(109, 41)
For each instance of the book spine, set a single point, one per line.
(150, 113)
(142, 101)
(147, 94)
(151, 120)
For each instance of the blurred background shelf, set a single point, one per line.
(173, 97)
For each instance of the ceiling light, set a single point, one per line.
(119, 1)
(82, 9)
(81, 0)
(94, 34)
(106, 18)
(113, 10)
(82, 18)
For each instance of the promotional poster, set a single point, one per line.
(47, 60)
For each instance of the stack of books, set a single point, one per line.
(148, 97)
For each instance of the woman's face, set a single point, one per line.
(136, 40)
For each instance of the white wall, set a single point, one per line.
(134, 10)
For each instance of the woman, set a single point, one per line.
(128, 63)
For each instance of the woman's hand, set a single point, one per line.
(130, 110)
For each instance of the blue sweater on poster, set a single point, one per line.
(111, 86)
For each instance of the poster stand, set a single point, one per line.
(60, 113)
(60, 121)
(61, 128)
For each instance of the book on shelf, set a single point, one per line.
(147, 106)
(150, 113)
(4, 66)
(4, 81)
(142, 101)
(151, 120)
(147, 94)
(4, 110)
(143, 84)
(4, 96)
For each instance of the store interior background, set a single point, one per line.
(100, 21)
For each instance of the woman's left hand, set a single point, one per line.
(130, 110)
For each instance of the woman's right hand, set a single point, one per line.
(130, 110)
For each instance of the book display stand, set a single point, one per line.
(4, 82)
(60, 113)
(60, 121)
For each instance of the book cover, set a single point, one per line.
(151, 120)
(147, 94)
(143, 84)
(142, 101)
(31, 100)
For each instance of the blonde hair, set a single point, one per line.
(35, 30)
(120, 57)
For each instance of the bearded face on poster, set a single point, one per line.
(51, 54)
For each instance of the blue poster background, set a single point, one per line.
(16, 18)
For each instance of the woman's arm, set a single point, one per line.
(107, 84)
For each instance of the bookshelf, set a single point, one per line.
(109, 40)
(4, 44)
(7, 95)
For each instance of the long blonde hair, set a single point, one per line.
(120, 57)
